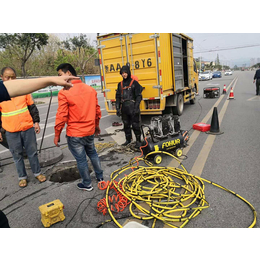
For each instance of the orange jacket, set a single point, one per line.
(79, 109)
(15, 114)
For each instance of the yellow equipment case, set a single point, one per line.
(52, 213)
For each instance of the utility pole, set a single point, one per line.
(200, 61)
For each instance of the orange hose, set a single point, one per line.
(118, 201)
(141, 152)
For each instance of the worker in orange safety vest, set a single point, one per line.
(18, 117)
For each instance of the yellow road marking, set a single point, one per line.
(199, 164)
(195, 133)
(255, 97)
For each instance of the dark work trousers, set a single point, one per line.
(257, 86)
(129, 119)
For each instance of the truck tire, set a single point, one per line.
(178, 109)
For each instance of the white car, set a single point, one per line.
(210, 73)
(205, 76)
(228, 72)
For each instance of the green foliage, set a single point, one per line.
(82, 52)
(256, 65)
(22, 45)
(42, 54)
(62, 57)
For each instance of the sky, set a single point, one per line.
(212, 25)
(238, 52)
(209, 45)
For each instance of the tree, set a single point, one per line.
(82, 51)
(217, 60)
(22, 45)
(63, 56)
(42, 62)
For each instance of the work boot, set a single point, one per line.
(126, 142)
(138, 141)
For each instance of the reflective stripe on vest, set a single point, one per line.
(16, 112)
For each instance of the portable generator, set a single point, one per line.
(211, 92)
(164, 135)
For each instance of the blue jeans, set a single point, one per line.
(27, 139)
(80, 147)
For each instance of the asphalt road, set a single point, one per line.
(230, 159)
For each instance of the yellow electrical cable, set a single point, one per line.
(156, 196)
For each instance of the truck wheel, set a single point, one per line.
(178, 109)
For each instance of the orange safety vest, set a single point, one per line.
(15, 114)
(135, 78)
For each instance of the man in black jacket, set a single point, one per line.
(257, 80)
(128, 99)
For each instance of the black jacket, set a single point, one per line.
(257, 74)
(3, 220)
(136, 90)
(34, 112)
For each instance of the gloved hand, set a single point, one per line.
(119, 113)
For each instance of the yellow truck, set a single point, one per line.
(162, 62)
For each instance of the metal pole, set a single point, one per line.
(46, 120)
(200, 61)
(99, 68)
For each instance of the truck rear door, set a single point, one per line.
(143, 58)
(178, 61)
(112, 56)
(140, 52)
(190, 63)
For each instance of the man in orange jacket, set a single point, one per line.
(18, 117)
(79, 109)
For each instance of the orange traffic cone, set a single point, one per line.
(224, 90)
(231, 94)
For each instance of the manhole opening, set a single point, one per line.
(68, 174)
(63, 172)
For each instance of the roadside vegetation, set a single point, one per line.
(39, 54)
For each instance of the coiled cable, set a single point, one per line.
(166, 194)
